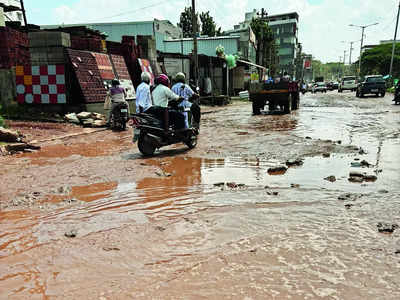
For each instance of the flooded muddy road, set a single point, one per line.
(263, 208)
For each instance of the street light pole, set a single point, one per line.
(394, 41)
(195, 54)
(362, 41)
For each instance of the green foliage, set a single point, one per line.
(206, 23)
(208, 26)
(1, 119)
(331, 70)
(377, 60)
(186, 22)
(266, 53)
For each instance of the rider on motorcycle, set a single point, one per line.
(184, 90)
(143, 96)
(118, 95)
(162, 95)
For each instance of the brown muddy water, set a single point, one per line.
(214, 223)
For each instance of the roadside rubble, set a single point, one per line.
(87, 119)
(13, 142)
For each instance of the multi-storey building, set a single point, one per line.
(285, 28)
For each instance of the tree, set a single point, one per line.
(377, 60)
(186, 22)
(208, 26)
(266, 53)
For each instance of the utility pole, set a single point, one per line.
(394, 41)
(340, 68)
(195, 54)
(362, 41)
(24, 14)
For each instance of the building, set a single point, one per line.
(12, 11)
(285, 28)
(159, 29)
(205, 45)
(247, 41)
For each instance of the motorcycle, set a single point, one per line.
(119, 116)
(151, 135)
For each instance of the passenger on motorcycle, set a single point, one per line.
(184, 90)
(117, 94)
(143, 95)
(162, 95)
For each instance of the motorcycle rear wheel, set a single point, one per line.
(191, 142)
(145, 148)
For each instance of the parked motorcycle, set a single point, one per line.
(119, 116)
(151, 135)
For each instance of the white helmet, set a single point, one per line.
(145, 77)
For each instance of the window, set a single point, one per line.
(375, 79)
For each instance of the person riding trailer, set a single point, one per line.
(184, 90)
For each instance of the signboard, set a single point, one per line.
(146, 67)
(104, 65)
(128, 86)
(307, 64)
(41, 84)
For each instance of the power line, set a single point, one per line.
(134, 10)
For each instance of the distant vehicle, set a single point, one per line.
(319, 87)
(329, 86)
(348, 83)
(319, 79)
(372, 84)
(335, 85)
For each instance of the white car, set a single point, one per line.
(348, 83)
(319, 87)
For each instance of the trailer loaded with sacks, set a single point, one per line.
(283, 94)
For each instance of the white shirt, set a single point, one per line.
(162, 94)
(143, 97)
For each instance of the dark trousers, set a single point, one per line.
(196, 112)
(175, 118)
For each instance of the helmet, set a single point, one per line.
(146, 77)
(180, 77)
(162, 79)
(115, 82)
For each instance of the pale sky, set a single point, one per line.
(323, 24)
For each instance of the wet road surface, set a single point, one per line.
(89, 218)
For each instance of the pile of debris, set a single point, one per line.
(87, 119)
(12, 142)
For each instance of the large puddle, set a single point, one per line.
(184, 186)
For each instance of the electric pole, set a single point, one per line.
(195, 54)
(362, 41)
(24, 14)
(394, 41)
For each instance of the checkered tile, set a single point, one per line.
(41, 84)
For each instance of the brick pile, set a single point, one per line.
(14, 48)
(88, 43)
(120, 67)
(87, 73)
